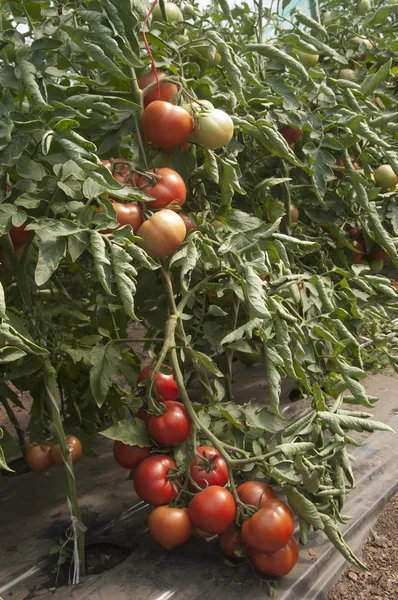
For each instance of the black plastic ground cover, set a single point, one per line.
(197, 570)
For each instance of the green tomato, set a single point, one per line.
(347, 74)
(181, 39)
(173, 13)
(204, 50)
(218, 225)
(213, 129)
(357, 41)
(376, 266)
(385, 177)
(330, 17)
(363, 7)
(306, 59)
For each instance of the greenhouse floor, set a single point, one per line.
(33, 515)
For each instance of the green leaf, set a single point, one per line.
(261, 418)
(273, 379)
(26, 71)
(51, 252)
(272, 52)
(354, 423)
(10, 353)
(303, 507)
(2, 302)
(133, 433)
(255, 294)
(124, 275)
(245, 331)
(101, 261)
(105, 361)
(372, 81)
(30, 168)
(207, 362)
(211, 165)
(311, 23)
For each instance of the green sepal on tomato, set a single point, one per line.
(167, 188)
(209, 468)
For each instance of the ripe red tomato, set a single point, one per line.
(169, 526)
(166, 125)
(128, 214)
(213, 129)
(162, 234)
(165, 384)
(256, 493)
(211, 470)
(5, 264)
(38, 457)
(128, 456)
(119, 169)
(75, 449)
(170, 188)
(377, 253)
(151, 482)
(213, 509)
(270, 528)
(19, 235)
(230, 541)
(171, 428)
(168, 91)
(276, 564)
(355, 233)
(142, 415)
(291, 134)
(360, 246)
(188, 223)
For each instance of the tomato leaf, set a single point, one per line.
(134, 433)
(10, 353)
(51, 252)
(303, 507)
(101, 261)
(261, 418)
(104, 360)
(272, 52)
(245, 330)
(373, 80)
(207, 362)
(124, 275)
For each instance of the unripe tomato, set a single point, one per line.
(357, 41)
(128, 214)
(181, 39)
(230, 541)
(294, 217)
(213, 129)
(213, 509)
(347, 74)
(276, 564)
(188, 223)
(377, 253)
(170, 188)
(166, 125)
(203, 50)
(306, 59)
(270, 528)
(168, 91)
(151, 480)
(75, 449)
(376, 266)
(129, 457)
(209, 470)
(19, 235)
(173, 427)
(162, 234)
(256, 493)
(173, 13)
(291, 134)
(165, 384)
(38, 457)
(359, 245)
(385, 177)
(169, 526)
(363, 7)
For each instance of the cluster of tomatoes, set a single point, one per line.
(265, 536)
(375, 257)
(43, 457)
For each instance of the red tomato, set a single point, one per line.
(38, 457)
(291, 134)
(128, 214)
(128, 456)
(170, 188)
(119, 169)
(142, 415)
(168, 91)
(230, 541)
(162, 234)
(165, 384)
(276, 564)
(340, 163)
(169, 526)
(270, 528)
(166, 125)
(5, 264)
(355, 233)
(211, 470)
(377, 253)
(75, 449)
(255, 493)
(213, 509)
(19, 235)
(360, 246)
(171, 428)
(188, 223)
(151, 482)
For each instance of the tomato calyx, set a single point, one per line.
(207, 463)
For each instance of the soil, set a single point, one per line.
(380, 555)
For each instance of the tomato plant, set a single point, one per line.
(128, 456)
(276, 564)
(172, 427)
(162, 234)
(212, 509)
(169, 526)
(209, 468)
(168, 91)
(166, 125)
(152, 481)
(168, 187)
(270, 528)
(38, 457)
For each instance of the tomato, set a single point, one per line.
(169, 526)
(213, 128)
(151, 482)
(19, 235)
(307, 60)
(171, 428)
(355, 233)
(385, 177)
(211, 470)
(377, 253)
(395, 285)
(128, 456)
(363, 7)
(213, 509)
(162, 234)
(256, 493)
(173, 13)
(128, 214)
(359, 245)
(119, 169)
(181, 39)
(347, 74)
(230, 541)
(270, 528)
(75, 449)
(339, 163)
(204, 50)
(5, 264)
(276, 564)
(142, 415)
(168, 91)
(165, 384)
(294, 217)
(170, 188)
(166, 125)
(38, 457)
(357, 41)
(291, 134)
(376, 266)
(188, 223)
